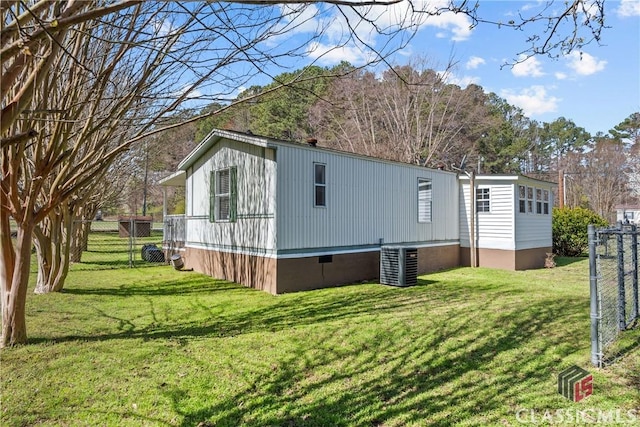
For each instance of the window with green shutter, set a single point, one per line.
(223, 195)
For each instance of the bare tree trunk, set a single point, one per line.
(53, 249)
(13, 288)
(79, 231)
(79, 240)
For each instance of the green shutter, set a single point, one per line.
(212, 197)
(233, 196)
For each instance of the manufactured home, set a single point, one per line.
(512, 223)
(282, 216)
(628, 214)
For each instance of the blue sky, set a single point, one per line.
(597, 88)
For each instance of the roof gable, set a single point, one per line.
(214, 137)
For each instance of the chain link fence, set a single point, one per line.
(613, 266)
(123, 243)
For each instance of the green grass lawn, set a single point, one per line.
(156, 346)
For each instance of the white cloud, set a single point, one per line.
(343, 32)
(560, 75)
(407, 14)
(629, 8)
(240, 90)
(296, 20)
(462, 81)
(474, 62)
(528, 67)
(330, 54)
(459, 25)
(162, 28)
(533, 100)
(529, 6)
(190, 94)
(585, 64)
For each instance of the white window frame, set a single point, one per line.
(425, 200)
(530, 200)
(522, 199)
(319, 185)
(538, 194)
(545, 202)
(485, 201)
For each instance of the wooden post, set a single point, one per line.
(472, 219)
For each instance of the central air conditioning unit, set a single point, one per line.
(398, 266)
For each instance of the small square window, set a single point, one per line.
(483, 200)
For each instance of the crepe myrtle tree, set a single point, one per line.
(83, 81)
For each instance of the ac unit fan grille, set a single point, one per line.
(398, 266)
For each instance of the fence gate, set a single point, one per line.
(124, 243)
(613, 270)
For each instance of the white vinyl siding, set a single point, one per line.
(425, 199)
(494, 231)
(513, 222)
(533, 228)
(255, 202)
(368, 200)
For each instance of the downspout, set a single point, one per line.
(472, 219)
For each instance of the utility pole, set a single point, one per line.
(146, 172)
(561, 188)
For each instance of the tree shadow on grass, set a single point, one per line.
(400, 374)
(277, 314)
(272, 314)
(404, 376)
(195, 284)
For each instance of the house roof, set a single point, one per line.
(628, 207)
(214, 137)
(176, 179)
(261, 141)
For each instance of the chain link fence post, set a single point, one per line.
(596, 356)
(621, 276)
(634, 266)
(132, 232)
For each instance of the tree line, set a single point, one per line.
(412, 114)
